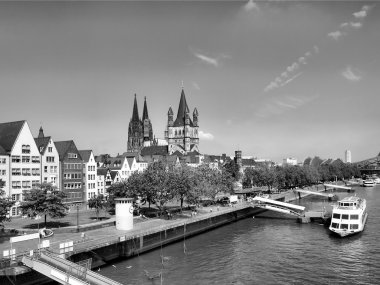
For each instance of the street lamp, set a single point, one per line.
(77, 218)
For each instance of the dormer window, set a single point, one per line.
(25, 148)
(72, 155)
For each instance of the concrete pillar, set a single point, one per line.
(124, 213)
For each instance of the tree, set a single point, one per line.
(98, 203)
(5, 205)
(180, 183)
(45, 200)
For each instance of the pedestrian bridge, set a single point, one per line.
(327, 195)
(64, 271)
(277, 206)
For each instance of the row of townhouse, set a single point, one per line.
(26, 161)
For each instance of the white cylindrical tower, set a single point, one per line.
(124, 213)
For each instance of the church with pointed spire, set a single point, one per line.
(140, 131)
(182, 133)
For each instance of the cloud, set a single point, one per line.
(350, 75)
(360, 15)
(302, 60)
(196, 86)
(293, 67)
(356, 25)
(286, 103)
(316, 49)
(205, 136)
(251, 5)
(291, 79)
(335, 35)
(208, 60)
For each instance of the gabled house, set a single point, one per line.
(49, 159)
(101, 183)
(89, 174)
(71, 166)
(20, 153)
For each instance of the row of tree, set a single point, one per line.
(289, 176)
(159, 184)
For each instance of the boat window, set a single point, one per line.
(344, 226)
(354, 217)
(344, 217)
(354, 226)
(336, 216)
(335, 225)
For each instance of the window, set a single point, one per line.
(354, 226)
(50, 159)
(16, 159)
(26, 184)
(35, 183)
(25, 159)
(26, 171)
(344, 226)
(35, 159)
(3, 172)
(25, 148)
(3, 160)
(16, 171)
(344, 217)
(72, 155)
(45, 169)
(16, 184)
(336, 216)
(354, 217)
(35, 171)
(50, 149)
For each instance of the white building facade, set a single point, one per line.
(89, 174)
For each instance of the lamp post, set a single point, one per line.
(77, 218)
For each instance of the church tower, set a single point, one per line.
(147, 126)
(182, 134)
(135, 131)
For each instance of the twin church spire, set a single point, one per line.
(140, 131)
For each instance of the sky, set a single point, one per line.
(274, 79)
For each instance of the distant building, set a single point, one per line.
(89, 174)
(18, 152)
(71, 167)
(347, 156)
(182, 133)
(49, 159)
(140, 132)
(289, 161)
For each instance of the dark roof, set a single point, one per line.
(130, 161)
(182, 110)
(102, 171)
(85, 154)
(2, 151)
(63, 146)
(155, 150)
(9, 133)
(145, 111)
(42, 142)
(135, 114)
(113, 174)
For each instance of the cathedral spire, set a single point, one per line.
(145, 111)
(135, 114)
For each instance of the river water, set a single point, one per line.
(271, 248)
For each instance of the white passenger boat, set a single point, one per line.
(349, 216)
(368, 183)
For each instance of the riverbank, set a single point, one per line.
(106, 243)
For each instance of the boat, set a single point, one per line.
(368, 183)
(349, 216)
(45, 233)
(377, 180)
